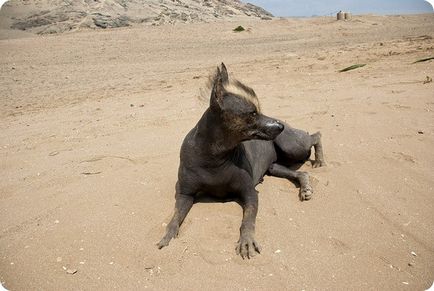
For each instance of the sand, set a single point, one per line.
(90, 131)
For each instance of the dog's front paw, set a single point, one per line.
(171, 233)
(318, 163)
(247, 247)
(164, 242)
(306, 193)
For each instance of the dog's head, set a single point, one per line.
(238, 107)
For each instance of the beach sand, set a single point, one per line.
(90, 131)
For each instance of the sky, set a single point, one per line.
(327, 7)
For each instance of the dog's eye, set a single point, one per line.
(253, 114)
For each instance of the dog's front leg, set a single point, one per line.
(247, 247)
(183, 205)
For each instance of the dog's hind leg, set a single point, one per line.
(301, 177)
(183, 205)
(319, 154)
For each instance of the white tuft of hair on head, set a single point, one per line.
(237, 88)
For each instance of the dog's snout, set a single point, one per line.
(275, 125)
(281, 126)
(268, 128)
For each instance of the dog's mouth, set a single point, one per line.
(266, 135)
(263, 136)
(265, 128)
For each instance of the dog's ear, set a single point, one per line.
(217, 90)
(224, 73)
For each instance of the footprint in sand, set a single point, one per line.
(334, 163)
(339, 245)
(98, 164)
(403, 157)
(370, 112)
(398, 106)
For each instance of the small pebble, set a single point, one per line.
(413, 254)
(71, 271)
(277, 251)
(420, 132)
(411, 264)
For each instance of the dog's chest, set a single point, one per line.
(259, 156)
(218, 182)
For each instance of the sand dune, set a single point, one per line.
(48, 16)
(92, 122)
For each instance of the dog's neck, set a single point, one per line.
(215, 140)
